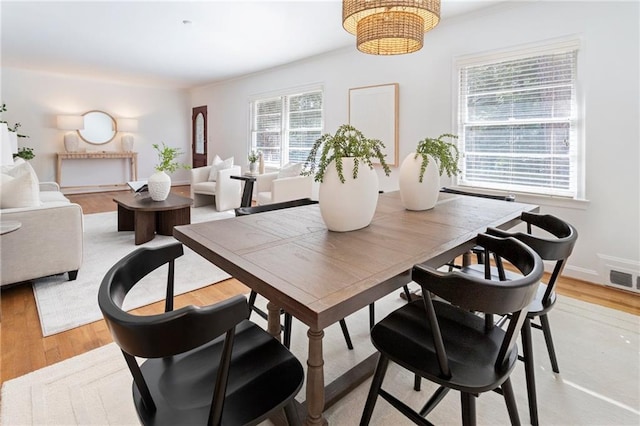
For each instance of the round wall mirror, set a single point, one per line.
(99, 128)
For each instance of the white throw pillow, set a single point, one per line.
(20, 187)
(290, 170)
(219, 164)
(16, 162)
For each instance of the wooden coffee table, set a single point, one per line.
(139, 213)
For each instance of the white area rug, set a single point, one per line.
(64, 304)
(598, 352)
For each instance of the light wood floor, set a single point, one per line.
(23, 349)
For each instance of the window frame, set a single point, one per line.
(285, 129)
(576, 155)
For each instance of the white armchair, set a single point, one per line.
(272, 189)
(224, 190)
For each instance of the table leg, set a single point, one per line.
(166, 220)
(273, 320)
(59, 171)
(145, 226)
(315, 379)
(125, 219)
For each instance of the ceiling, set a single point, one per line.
(177, 44)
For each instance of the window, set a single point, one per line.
(518, 121)
(285, 127)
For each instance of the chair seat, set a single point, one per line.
(405, 337)
(536, 308)
(207, 187)
(183, 397)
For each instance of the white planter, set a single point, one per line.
(127, 143)
(159, 185)
(71, 143)
(416, 195)
(351, 205)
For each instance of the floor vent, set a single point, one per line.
(620, 273)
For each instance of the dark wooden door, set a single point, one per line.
(199, 136)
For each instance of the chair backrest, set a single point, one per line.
(509, 197)
(556, 249)
(161, 335)
(485, 295)
(243, 211)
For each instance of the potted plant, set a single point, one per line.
(253, 158)
(421, 170)
(343, 165)
(25, 152)
(159, 183)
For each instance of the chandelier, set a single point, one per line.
(390, 27)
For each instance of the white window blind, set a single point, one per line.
(518, 123)
(285, 127)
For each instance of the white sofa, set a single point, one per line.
(49, 240)
(285, 185)
(224, 191)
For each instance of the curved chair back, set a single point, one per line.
(162, 335)
(485, 295)
(555, 249)
(244, 211)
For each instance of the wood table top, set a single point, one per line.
(320, 276)
(142, 201)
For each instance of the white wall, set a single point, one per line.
(608, 224)
(36, 98)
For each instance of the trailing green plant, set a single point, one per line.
(15, 127)
(25, 153)
(346, 142)
(167, 158)
(445, 154)
(253, 156)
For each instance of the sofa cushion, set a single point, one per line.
(290, 170)
(219, 164)
(204, 188)
(19, 187)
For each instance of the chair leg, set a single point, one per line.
(546, 330)
(529, 368)
(510, 400)
(434, 400)
(345, 332)
(252, 302)
(416, 383)
(468, 409)
(407, 292)
(372, 316)
(291, 413)
(287, 330)
(376, 384)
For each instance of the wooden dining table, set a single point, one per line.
(319, 276)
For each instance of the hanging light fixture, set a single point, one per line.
(390, 27)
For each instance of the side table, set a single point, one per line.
(248, 189)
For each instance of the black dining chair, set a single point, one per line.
(205, 365)
(554, 242)
(475, 250)
(452, 339)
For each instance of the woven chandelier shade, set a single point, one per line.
(390, 27)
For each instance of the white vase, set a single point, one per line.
(159, 185)
(252, 167)
(351, 205)
(416, 195)
(71, 142)
(127, 143)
